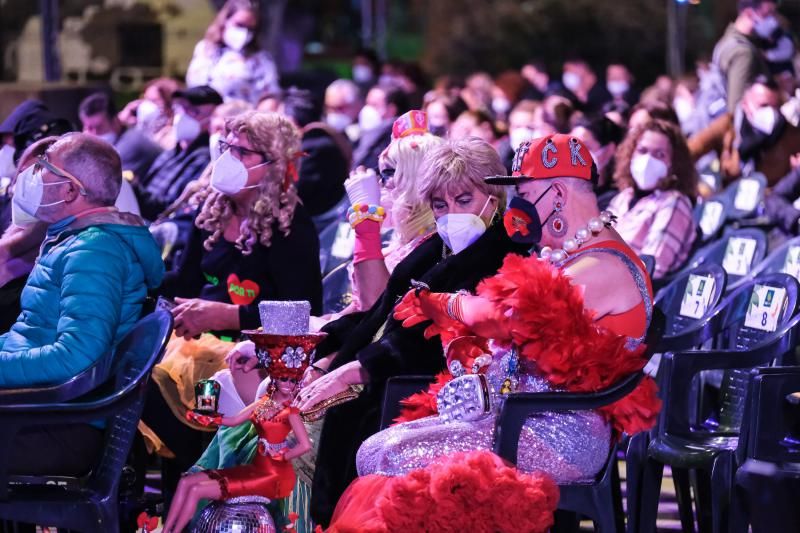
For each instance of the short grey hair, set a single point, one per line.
(348, 87)
(456, 165)
(94, 162)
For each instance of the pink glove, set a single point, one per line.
(368, 242)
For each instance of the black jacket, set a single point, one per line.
(398, 351)
(322, 172)
(779, 202)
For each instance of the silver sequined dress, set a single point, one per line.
(570, 446)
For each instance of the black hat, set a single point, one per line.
(26, 108)
(37, 124)
(200, 95)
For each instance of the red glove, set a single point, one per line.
(203, 420)
(417, 307)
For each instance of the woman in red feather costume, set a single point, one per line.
(572, 319)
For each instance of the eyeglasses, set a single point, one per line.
(285, 379)
(386, 175)
(241, 151)
(42, 164)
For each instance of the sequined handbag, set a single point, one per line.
(464, 398)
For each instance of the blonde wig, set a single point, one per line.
(411, 214)
(279, 140)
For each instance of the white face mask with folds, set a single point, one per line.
(236, 37)
(186, 128)
(647, 171)
(7, 167)
(764, 119)
(229, 175)
(28, 192)
(459, 230)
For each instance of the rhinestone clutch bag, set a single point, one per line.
(464, 398)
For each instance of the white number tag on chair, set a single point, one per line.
(711, 219)
(747, 194)
(739, 255)
(697, 296)
(765, 307)
(345, 241)
(792, 264)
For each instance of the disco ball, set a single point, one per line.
(247, 514)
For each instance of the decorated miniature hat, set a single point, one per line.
(415, 122)
(554, 156)
(284, 346)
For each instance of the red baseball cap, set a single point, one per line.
(554, 156)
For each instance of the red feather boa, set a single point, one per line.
(546, 319)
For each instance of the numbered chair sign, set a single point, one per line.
(345, 241)
(699, 290)
(747, 194)
(792, 264)
(711, 218)
(766, 304)
(739, 255)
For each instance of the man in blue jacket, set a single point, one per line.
(84, 294)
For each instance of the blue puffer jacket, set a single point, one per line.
(84, 294)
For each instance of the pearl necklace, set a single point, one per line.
(607, 219)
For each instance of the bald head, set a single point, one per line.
(94, 162)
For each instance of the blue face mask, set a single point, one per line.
(522, 221)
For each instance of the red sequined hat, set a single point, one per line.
(554, 156)
(285, 356)
(415, 122)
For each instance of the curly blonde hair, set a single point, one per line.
(279, 140)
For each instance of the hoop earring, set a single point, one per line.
(558, 225)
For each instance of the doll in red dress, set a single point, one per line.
(271, 474)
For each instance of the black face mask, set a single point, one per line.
(522, 221)
(440, 130)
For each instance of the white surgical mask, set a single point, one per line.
(647, 171)
(362, 74)
(213, 145)
(185, 127)
(28, 192)
(369, 118)
(571, 81)
(500, 105)
(109, 137)
(229, 175)
(236, 37)
(517, 136)
(764, 119)
(338, 121)
(765, 26)
(683, 108)
(617, 87)
(7, 167)
(146, 112)
(459, 230)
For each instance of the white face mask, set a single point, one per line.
(109, 137)
(764, 119)
(459, 230)
(647, 171)
(765, 26)
(229, 175)
(500, 105)
(617, 87)
(369, 118)
(571, 81)
(683, 108)
(146, 112)
(362, 73)
(7, 167)
(28, 192)
(185, 127)
(213, 145)
(338, 121)
(517, 136)
(236, 37)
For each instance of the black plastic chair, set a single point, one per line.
(114, 391)
(710, 217)
(745, 195)
(703, 441)
(337, 290)
(399, 388)
(768, 481)
(649, 264)
(775, 262)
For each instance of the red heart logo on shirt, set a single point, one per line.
(242, 292)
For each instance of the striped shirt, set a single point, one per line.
(660, 224)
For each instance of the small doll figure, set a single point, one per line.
(271, 474)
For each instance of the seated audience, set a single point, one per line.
(601, 136)
(152, 113)
(342, 106)
(382, 106)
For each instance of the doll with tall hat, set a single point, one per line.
(285, 348)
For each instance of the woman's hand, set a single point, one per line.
(194, 316)
(242, 357)
(363, 187)
(203, 420)
(329, 385)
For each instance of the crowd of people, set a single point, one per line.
(477, 207)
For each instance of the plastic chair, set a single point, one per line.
(710, 217)
(649, 264)
(399, 388)
(118, 387)
(745, 195)
(337, 290)
(767, 483)
(704, 442)
(777, 262)
(336, 244)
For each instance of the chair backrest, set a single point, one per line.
(785, 258)
(738, 251)
(337, 290)
(688, 303)
(134, 360)
(755, 315)
(649, 263)
(744, 196)
(336, 243)
(710, 216)
(773, 432)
